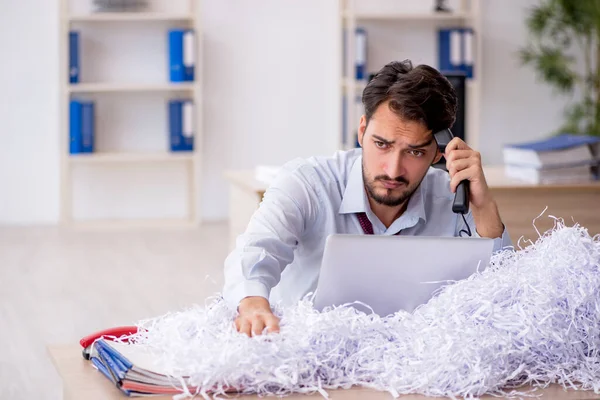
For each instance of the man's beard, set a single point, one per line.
(388, 199)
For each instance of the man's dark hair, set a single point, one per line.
(420, 94)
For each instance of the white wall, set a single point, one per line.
(270, 89)
(515, 107)
(29, 113)
(271, 86)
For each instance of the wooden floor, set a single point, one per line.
(59, 285)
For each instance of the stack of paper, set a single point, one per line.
(560, 159)
(132, 370)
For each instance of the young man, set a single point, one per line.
(386, 187)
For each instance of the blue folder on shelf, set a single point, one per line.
(181, 125)
(361, 54)
(81, 126)
(468, 43)
(87, 127)
(75, 139)
(73, 57)
(181, 55)
(456, 50)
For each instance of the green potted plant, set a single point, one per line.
(564, 50)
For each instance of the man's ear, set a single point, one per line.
(362, 128)
(438, 156)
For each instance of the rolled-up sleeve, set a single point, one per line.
(501, 242)
(263, 251)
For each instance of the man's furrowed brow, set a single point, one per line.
(421, 145)
(383, 140)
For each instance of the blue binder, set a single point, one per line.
(73, 57)
(75, 122)
(181, 55)
(189, 61)
(361, 54)
(87, 127)
(111, 364)
(132, 380)
(82, 126)
(174, 124)
(181, 127)
(176, 71)
(450, 52)
(444, 50)
(187, 125)
(468, 48)
(563, 141)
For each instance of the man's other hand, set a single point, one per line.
(254, 315)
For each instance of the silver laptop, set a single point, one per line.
(391, 273)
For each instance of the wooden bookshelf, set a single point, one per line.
(110, 87)
(400, 16)
(130, 17)
(158, 23)
(109, 158)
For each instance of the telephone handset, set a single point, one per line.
(461, 197)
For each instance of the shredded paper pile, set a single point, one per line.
(531, 317)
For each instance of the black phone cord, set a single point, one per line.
(468, 230)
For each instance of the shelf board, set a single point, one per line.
(110, 158)
(130, 17)
(432, 16)
(129, 87)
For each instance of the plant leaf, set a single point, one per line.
(553, 67)
(540, 18)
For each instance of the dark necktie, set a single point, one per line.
(365, 224)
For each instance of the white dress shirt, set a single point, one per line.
(279, 255)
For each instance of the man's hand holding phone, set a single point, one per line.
(464, 163)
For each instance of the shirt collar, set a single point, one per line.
(416, 203)
(354, 199)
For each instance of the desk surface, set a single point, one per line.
(82, 381)
(246, 179)
(495, 177)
